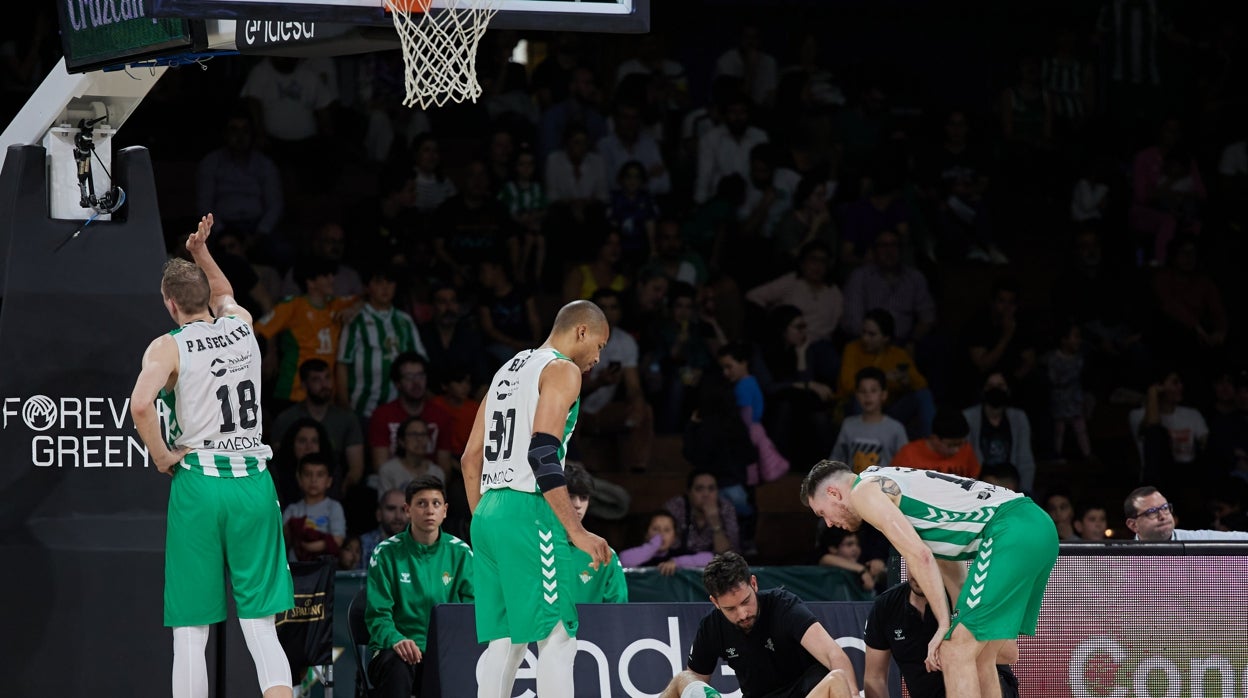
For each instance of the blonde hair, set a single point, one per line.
(186, 284)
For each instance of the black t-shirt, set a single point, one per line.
(995, 442)
(770, 656)
(510, 314)
(896, 626)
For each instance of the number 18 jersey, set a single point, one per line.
(214, 408)
(510, 406)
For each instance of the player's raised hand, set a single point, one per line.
(594, 546)
(198, 240)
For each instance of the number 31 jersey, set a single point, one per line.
(214, 408)
(510, 406)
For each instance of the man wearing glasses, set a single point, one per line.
(1151, 518)
(408, 575)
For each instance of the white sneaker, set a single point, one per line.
(996, 256)
(977, 254)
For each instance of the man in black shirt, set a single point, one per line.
(900, 626)
(776, 646)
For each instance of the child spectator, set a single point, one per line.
(945, 450)
(872, 437)
(734, 363)
(316, 524)
(1090, 522)
(661, 548)
(840, 548)
(681, 352)
(1066, 395)
(1057, 503)
(525, 200)
(1002, 475)
(456, 401)
(633, 212)
(349, 554)
(912, 403)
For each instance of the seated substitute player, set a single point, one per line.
(408, 575)
(598, 583)
(772, 641)
(899, 627)
(937, 521)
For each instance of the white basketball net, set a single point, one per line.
(440, 49)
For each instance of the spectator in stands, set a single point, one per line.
(602, 272)
(290, 101)
(652, 59)
(840, 549)
(910, 400)
(1090, 522)
(1185, 428)
(328, 244)
(455, 400)
(797, 373)
(240, 184)
(705, 519)
(255, 285)
(500, 157)
(1070, 84)
(579, 110)
(1000, 434)
(525, 199)
(1151, 518)
(717, 441)
(644, 303)
(807, 288)
(886, 282)
(349, 554)
(734, 365)
(411, 459)
(507, 313)
(870, 437)
(391, 520)
(998, 339)
(452, 338)
(1004, 475)
(408, 575)
(681, 353)
(634, 213)
(1057, 504)
(599, 583)
(769, 194)
(370, 343)
(606, 411)
(410, 375)
(662, 549)
(959, 184)
(881, 208)
(315, 525)
(433, 187)
(1228, 419)
(1165, 186)
(807, 220)
(899, 628)
(346, 438)
(303, 436)
(386, 229)
(1191, 305)
(772, 641)
(725, 149)
(628, 142)
(672, 259)
(577, 181)
(309, 324)
(473, 225)
(756, 68)
(553, 76)
(1066, 392)
(945, 450)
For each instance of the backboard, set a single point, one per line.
(608, 16)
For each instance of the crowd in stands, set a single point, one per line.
(1029, 283)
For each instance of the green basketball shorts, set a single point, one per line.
(522, 571)
(218, 524)
(1006, 580)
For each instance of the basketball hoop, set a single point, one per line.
(440, 48)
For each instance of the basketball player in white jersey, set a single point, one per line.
(207, 371)
(523, 519)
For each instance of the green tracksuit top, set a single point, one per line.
(407, 579)
(603, 585)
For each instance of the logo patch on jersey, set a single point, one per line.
(899, 634)
(446, 578)
(586, 576)
(405, 577)
(503, 390)
(217, 372)
(770, 645)
(731, 653)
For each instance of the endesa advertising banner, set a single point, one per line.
(1135, 625)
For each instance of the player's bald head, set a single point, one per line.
(578, 313)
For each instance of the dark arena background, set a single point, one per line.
(1029, 216)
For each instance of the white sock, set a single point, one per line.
(272, 666)
(190, 668)
(555, 655)
(698, 689)
(498, 671)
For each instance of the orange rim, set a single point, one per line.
(408, 6)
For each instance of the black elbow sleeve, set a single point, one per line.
(544, 460)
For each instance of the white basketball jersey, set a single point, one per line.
(510, 406)
(215, 405)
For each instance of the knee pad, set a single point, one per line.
(272, 666)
